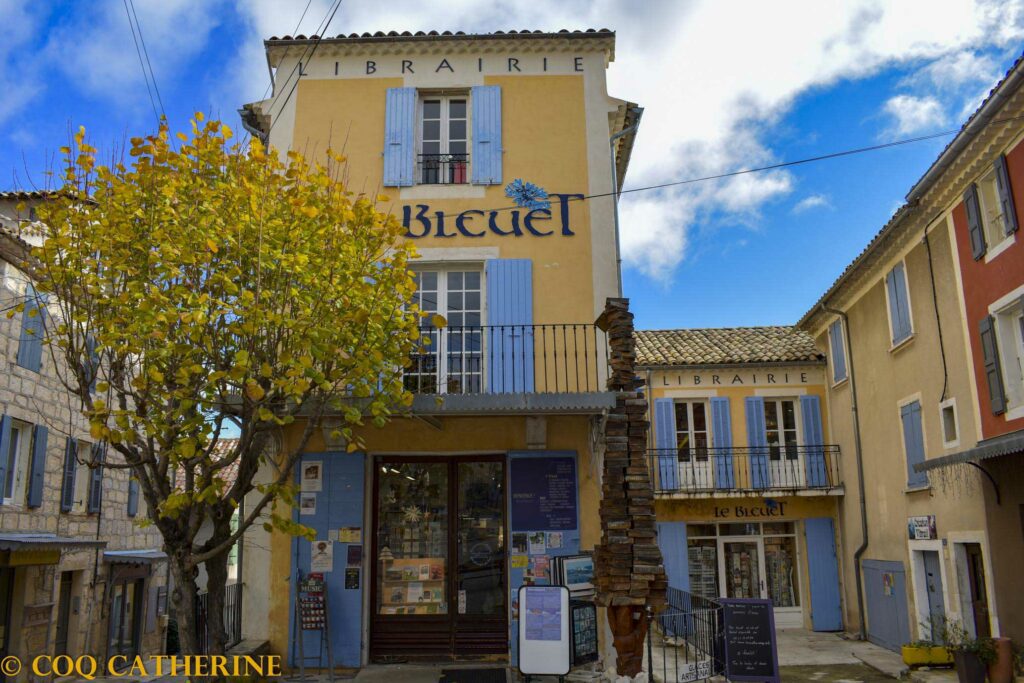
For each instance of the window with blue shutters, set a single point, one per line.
(991, 211)
(15, 460)
(898, 298)
(837, 351)
(30, 344)
(399, 136)
(913, 443)
(486, 145)
(443, 157)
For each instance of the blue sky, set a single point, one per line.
(790, 80)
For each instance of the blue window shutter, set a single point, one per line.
(838, 348)
(903, 300)
(672, 542)
(485, 160)
(1005, 189)
(95, 496)
(665, 442)
(5, 446)
(30, 345)
(40, 436)
(721, 435)
(974, 227)
(814, 440)
(67, 491)
(913, 442)
(993, 369)
(399, 127)
(133, 497)
(509, 352)
(823, 570)
(757, 439)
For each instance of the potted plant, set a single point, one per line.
(971, 655)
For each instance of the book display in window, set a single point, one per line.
(703, 561)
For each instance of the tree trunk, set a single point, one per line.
(216, 588)
(628, 624)
(184, 599)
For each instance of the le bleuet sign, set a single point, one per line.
(420, 221)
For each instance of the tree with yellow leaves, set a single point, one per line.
(199, 285)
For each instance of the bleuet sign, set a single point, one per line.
(421, 221)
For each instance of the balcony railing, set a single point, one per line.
(444, 169)
(768, 468)
(507, 359)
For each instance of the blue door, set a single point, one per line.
(823, 568)
(885, 596)
(933, 587)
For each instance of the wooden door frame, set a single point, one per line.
(451, 617)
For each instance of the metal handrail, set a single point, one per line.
(443, 169)
(704, 469)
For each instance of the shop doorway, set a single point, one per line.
(978, 592)
(64, 613)
(6, 612)
(440, 584)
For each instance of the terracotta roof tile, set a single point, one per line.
(434, 35)
(725, 346)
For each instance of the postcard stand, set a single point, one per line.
(311, 615)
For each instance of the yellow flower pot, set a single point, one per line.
(923, 655)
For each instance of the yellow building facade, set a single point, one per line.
(746, 479)
(424, 539)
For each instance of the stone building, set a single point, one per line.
(77, 574)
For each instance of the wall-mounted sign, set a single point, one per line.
(768, 509)
(543, 495)
(921, 528)
(443, 64)
(420, 221)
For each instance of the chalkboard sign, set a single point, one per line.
(544, 493)
(751, 653)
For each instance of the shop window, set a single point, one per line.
(412, 537)
(17, 460)
(449, 360)
(950, 425)
(443, 129)
(702, 561)
(781, 571)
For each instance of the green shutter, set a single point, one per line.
(993, 371)
(974, 227)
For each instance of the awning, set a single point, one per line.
(45, 542)
(134, 556)
(1007, 444)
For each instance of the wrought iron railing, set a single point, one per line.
(685, 641)
(444, 169)
(506, 359)
(232, 617)
(756, 468)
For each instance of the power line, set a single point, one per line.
(152, 74)
(770, 167)
(138, 51)
(316, 44)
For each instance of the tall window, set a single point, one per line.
(781, 429)
(444, 140)
(899, 303)
(16, 470)
(449, 360)
(691, 430)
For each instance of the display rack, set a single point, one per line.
(311, 614)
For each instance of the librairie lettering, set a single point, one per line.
(420, 221)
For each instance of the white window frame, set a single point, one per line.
(797, 419)
(949, 403)
(442, 270)
(832, 352)
(691, 433)
(888, 306)
(445, 96)
(22, 431)
(992, 223)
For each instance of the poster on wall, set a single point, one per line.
(312, 477)
(307, 504)
(543, 493)
(921, 528)
(321, 559)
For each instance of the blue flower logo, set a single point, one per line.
(527, 195)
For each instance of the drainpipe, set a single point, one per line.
(860, 471)
(639, 111)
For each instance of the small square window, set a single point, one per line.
(950, 426)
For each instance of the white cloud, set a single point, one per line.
(711, 85)
(18, 74)
(93, 45)
(814, 201)
(913, 114)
